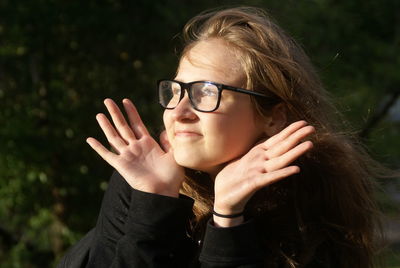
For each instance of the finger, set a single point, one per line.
(119, 121)
(274, 176)
(284, 133)
(288, 157)
(111, 134)
(290, 142)
(101, 150)
(139, 129)
(165, 142)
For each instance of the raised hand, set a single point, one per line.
(264, 164)
(137, 157)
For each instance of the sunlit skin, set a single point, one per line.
(206, 141)
(230, 144)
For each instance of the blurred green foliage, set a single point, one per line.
(60, 59)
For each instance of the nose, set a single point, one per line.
(184, 110)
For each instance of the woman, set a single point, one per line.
(252, 172)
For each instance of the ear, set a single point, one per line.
(277, 120)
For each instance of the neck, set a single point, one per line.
(213, 172)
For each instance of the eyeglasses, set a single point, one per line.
(204, 96)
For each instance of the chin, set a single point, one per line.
(196, 163)
(189, 163)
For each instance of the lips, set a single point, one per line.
(186, 133)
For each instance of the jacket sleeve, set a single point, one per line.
(77, 256)
(109, 226)
(155, 232)
(135, 229)
(237, 246)
(242, 247)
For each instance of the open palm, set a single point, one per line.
(137, 156)
(264, 164)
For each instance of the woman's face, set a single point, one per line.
(206, 141)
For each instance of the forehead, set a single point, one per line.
(211, 60)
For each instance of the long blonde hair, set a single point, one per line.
(326, 213)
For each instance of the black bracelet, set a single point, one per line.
(227, 216)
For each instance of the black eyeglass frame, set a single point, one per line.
(220, 87)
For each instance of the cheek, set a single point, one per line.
(231, 138)
(239, 132)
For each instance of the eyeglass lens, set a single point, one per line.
(203, 95)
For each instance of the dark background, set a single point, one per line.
(60, 59)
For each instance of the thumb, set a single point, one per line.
(165, 142)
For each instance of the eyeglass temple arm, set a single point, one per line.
(246, 91)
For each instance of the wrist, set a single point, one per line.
(227, 218)
(166, 192)
(227, 215)
(227, 222)
(227, 211)
(160, 190)
(170, 194)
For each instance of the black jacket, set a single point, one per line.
(138, 229)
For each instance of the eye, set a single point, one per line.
(176, 89)
(209, 91)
